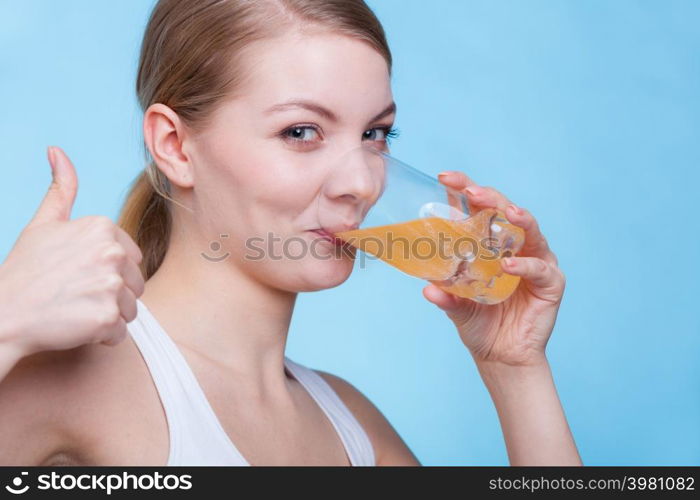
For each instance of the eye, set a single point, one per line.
(298, 133)
(387, 133)
(304, 134)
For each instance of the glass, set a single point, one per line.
(408, 219)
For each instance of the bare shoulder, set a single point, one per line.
(33, 399)
(45, 400)
(389, 448)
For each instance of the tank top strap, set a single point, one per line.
(357, 444)
(196, 435)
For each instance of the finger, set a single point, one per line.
(126, 301)
(487, 197)
(133, 278)
(116, 334)
(60, 197)
(441, 298)
(543, 279)
(478, 196)
(535, 244)
(457, 308)
(457, 181)
(132, 249)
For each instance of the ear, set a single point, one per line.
(165, 135)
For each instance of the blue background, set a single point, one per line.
(585, 112)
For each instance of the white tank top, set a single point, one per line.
(196, 435)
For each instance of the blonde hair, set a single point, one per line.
(191, 58)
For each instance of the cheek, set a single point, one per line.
(263, 181)
(286, 186)
(256, 195)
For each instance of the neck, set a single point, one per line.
(222, 313)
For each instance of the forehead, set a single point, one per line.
(344, 74)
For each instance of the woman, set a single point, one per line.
(246, 103)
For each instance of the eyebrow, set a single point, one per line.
(320, 110)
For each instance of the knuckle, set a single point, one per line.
(113, 282)
(539, 240)
(120, 333)
(562, 277)
(529, 218)
(115, 338)
(100, 222)
(108, 317)
(114, 253)
(532, 225)
(139, 255)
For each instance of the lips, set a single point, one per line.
(328, 235)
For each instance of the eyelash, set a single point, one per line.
(389, 133)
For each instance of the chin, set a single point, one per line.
(326, 269)
(320, 274)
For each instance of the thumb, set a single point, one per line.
(58, 201)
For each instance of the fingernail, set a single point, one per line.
(515, 210)
(52, 162)
(446, 175)
(507, 261)
(474, 190)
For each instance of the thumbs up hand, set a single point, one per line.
(67, 282)
(58, 202)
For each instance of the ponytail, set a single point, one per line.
(146, 217)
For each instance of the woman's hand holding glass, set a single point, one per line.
(514, 332)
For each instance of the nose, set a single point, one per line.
(352, 185)
(357, 177)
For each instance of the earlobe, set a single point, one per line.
(164, 134)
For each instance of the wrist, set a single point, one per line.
(534, 425)
(13, 341)
(12, 350)
(10, 337)
(496, 373)
(10, 355)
